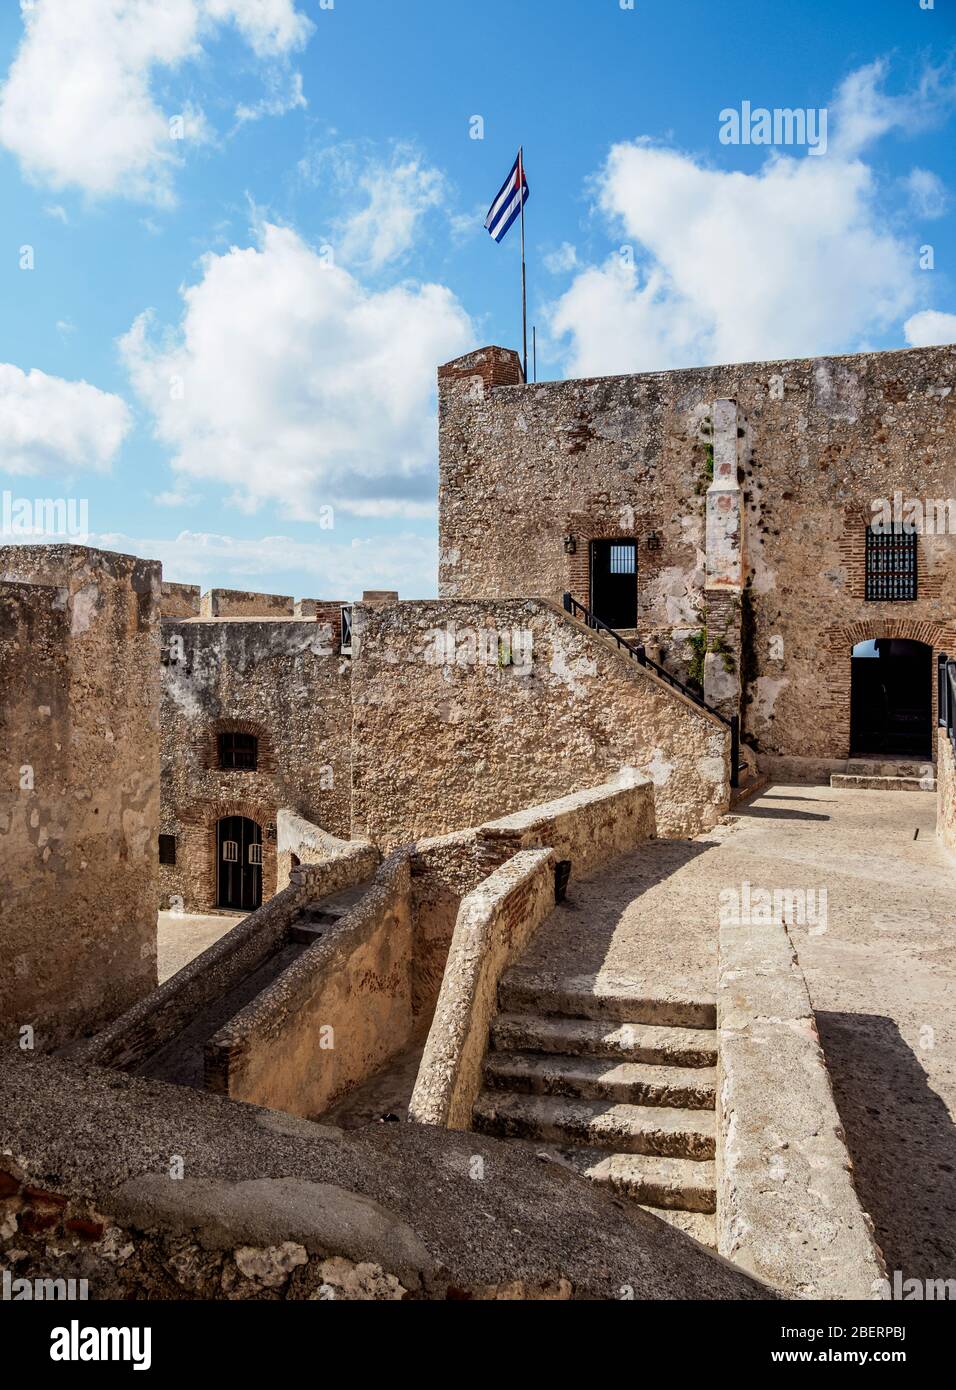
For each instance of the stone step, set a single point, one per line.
(596, 1078)
(866, 782)
(587, 1037)
(304, 933)
(701, 1226)
(647, 1129)
(526, 992)
(682, 1184)
(887, 767)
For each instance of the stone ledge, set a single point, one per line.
(787, 1209)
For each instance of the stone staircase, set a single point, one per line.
(867, 774)
(616, 1085)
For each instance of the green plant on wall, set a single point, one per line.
(706, 473)
(700, 646)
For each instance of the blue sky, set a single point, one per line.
(227, 342)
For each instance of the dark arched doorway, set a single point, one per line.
(239, 863)
(891, 701)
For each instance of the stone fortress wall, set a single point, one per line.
(79, 787)
(530, 474)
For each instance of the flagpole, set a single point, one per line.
(524, 287)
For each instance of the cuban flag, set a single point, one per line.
(513, 195)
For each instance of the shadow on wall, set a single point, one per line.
(901, 1138)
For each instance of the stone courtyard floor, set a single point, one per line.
(184, 935)
(882, 976)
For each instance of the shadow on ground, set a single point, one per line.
(901, 1139)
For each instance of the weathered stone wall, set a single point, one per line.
(495, 923)
(244, 603)
(178, 1194)
(946, 791)
(585, 829)
(79, 787)
(525, 467)
(436, 747)
(333, 1017)
(298, 841)
(155, 1021)
(180, 600)
(787, 1209)
(280, 680)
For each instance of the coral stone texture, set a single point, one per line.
(530, 475)
(79, 799)
(446, 732)
(283, 681)
(273, 1206)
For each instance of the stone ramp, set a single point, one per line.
(181, 1060)
(648, 918)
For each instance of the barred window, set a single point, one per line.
(239, 752)
(623, 559)
(890, 566)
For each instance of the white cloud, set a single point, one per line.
(332, 569)
(796, 259)
(291, 383)
(175, 498)
(927, 192)
(392, 197)
(565, 258)
(930, 328)
(79, 108)
(48, 424)
(863, 111)
(285, 94)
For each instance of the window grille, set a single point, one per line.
(255, 854)
(890, 566)
(623, 559)
(230, 851)
(239, 752)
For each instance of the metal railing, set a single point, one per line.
(946, 697)
(639, 653)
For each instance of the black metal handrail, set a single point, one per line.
(639, 653)
(946, 698)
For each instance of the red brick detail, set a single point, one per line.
(839, 640)
(852, 550)
(198, 826)
(40, 1197)
(34, 1223)
(88, 1230)
(497, 366)
(9, 1185)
